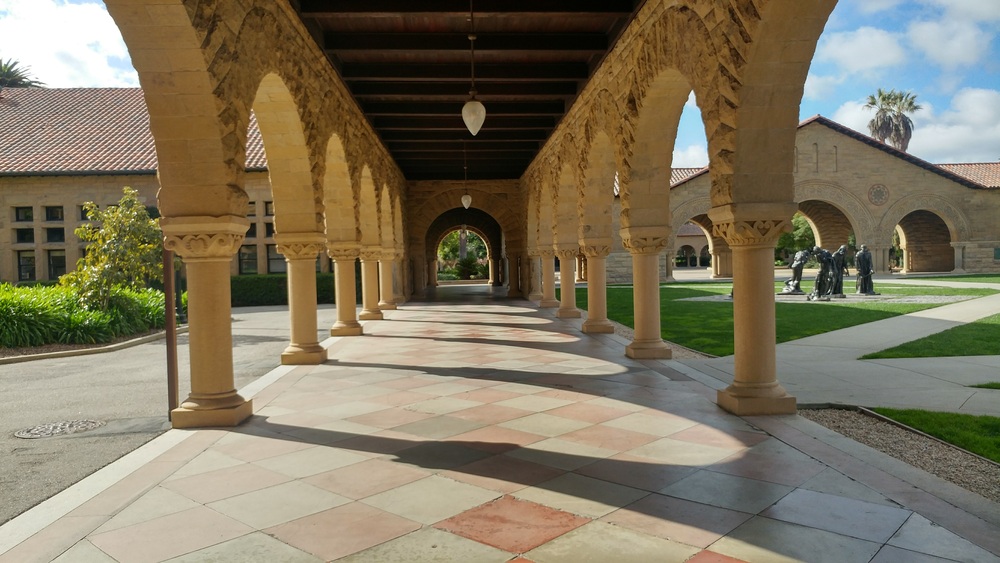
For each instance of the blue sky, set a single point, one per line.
(944, 51)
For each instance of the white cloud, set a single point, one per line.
(64, 44)
(969, 131)
(693, 156)
(950, 43)
(821, 87)
(873, 6)
(862, 51)
(976, 10)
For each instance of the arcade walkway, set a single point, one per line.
(479, 429)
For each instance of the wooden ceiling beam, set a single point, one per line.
(541, 72)
(444, 42)
(382, 109)
(460, 91)
(341, 8)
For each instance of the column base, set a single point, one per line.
(534, 296)
(750, 406)
(304, 355)
(648, 350)
(370, 315)
(598, 327)
(386, 306)
(549, 303)
(182, 417)
(346, 329)
(573, 313)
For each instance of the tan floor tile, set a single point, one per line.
(169, 536)
(225, 483)
(648, 423)
(496, 439)
(443, 405)
(679, 520)
(366, 478)
(256, 547)
(502, 473)
(490, 414)
(390, 418)
(636, 472)
(431, 500)
(589, 412)
(711, 436)
(561, 454)
(545, 424)
(429, 544)
(315, 460)
(608, 437)
(283, 503)
(84, 552)
(209, 460)
(763, 539)
(341, 531)
(599, 542)
(154, 504)
(677, 452)
(252, 448)
(581, 495)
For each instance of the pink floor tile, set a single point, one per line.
(711, 436)
(512, 525)
(589, 412)
(389, 418)
(679, 520)
(490, 414)
(503, 473)
(712, 557)
(366, 478)
(495, 439)
(609, 437)
(224, 483)
(343, 530)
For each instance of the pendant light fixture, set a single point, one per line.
(473, 112)
(466, 199)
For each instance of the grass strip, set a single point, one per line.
(981, 278)
(977, 434)
(978, 338)
(990, 385)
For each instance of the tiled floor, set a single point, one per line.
(491, 431)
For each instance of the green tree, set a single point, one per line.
(891, 121)
(448, 249)
(13, 75)
(124, 249)
(800, 238)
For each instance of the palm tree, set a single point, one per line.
(890, 121)
(13, 75)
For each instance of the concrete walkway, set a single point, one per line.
(825, 368)
(478, 428)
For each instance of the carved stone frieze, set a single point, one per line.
(645, 245)
(595, 251)
(369, 255)
(343, 252)
(752, 233)
(300, 251)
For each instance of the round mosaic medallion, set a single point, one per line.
(57, 428)
(878, 194)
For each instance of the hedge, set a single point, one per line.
(272, 289)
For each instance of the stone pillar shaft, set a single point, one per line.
(755, 389)
(387, 299)
(304, 349)
(647, 342)
(548, 280)
(567, 284)
(207, 246)
(345, 293)
(597, 290)
(369, 288)
(534, 277)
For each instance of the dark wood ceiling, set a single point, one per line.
(407, 63)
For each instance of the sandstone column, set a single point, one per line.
(513, 274)
(207, 246)
(345, 290)
(548, 279)
(369, 286)
(755, 389)
(959, 248)
(597, 289)
(300, 252)
(387, 297)
(567, 283)
(647, 342)
(399, 277)
(534, 276)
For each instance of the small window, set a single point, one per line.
(269, 208)
(54, 213)
(248, 259)
(252, 231)
(275, 261)
(55, 235)
(83, 213)
(153, 211)
(26, 265)
(269, 230)
(23, 214)
(57, 264)
(252, 209)
(23, 236)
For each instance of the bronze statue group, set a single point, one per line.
(830, 277)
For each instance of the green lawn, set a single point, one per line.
(978, 434)
(982, 278)
(978, 338)
(990, 385)
(707, 326)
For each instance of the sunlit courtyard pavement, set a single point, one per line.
(475, 429)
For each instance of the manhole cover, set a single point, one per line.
(57, 428)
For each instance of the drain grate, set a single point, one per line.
(56, 428)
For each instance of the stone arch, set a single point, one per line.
(386, 222)
(546, 214)
(445, 199)
(341, 207)
(928, 226)
(855, 215)
(956, 220)
(478, 221)
(368, 203)
(288, 163)
(566, 221)
(597, 196)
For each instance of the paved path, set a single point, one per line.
(478, 429)
(825, 369)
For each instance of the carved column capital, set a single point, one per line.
(342, 251)
(645, 245)
(370, 254)
(299, 246)
(565, 254)
(758, 233)
(596, 250)
(546, 253)
(202, 238)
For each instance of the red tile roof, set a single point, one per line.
(83, 131)
(678, 175)
(985, 173)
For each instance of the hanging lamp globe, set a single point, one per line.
(473, 114)
(466, 201)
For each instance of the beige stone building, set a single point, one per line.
(367, 159)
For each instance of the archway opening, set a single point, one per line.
(463, 254)
(924, 244)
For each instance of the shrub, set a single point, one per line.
(272, 289)
(84, 326)
(466, 268)
(26, 318)
(447, 276)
